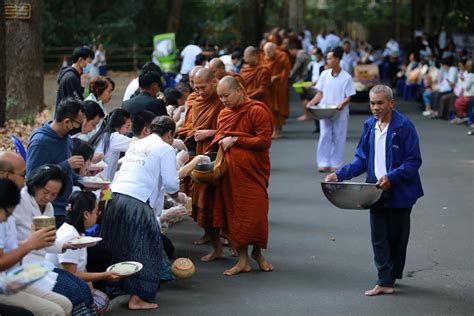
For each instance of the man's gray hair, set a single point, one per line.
(380, 88)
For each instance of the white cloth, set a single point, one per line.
(8, 235)
(322, 43)
(335, 89)
(468, 85)
(380, 165)
(24, 213)
(149, 164)
(118, 143)
(76, 256)
(332, 41)
(332, 137)
(189, 54)
(349, 61)
(392, 48)
(316, 65)
(227, 60)
(450, 76)
(131, 88)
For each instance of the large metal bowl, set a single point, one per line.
(321, 112)
(351, 195)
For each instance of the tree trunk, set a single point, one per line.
(3, 99)
(174, 16)
(296, 15)
(252, 21)
(428, 17)
(25, 96)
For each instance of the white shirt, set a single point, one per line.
(118, 143)
(316, 65)
(451, 75)
(131, 88)
(322, 43)
(8, 235)
(349, 61)
(189, 54)
(149, 164)
(380, 165)
(77, 256)
(468, 85)
(332, 41)
(23, 214)
(227, 60)
(335, 89)
(392, 48)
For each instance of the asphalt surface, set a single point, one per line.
(322, 255)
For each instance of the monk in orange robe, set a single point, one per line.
(183, 132)
(244, 131)
(280, 66)
(205, 110)
(216, 65)
(257, 77)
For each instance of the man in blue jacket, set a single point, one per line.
(51, 143)
(389, 152)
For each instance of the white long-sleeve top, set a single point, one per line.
(148, 165)
(24, 213)
(468, 85)
(118, 143)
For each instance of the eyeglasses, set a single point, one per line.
(7, 212)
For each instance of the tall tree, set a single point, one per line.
(3, 99)
(174, 15)
(252, 21)
(24, 73)
(296, 15)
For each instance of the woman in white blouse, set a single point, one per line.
(111, 141)
(42, 187)
(130, 230)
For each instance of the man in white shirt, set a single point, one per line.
(349, 59)
(188, 56)
(334, 88)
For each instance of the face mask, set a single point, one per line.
(74, 131)
(87, 69)
(313, 58)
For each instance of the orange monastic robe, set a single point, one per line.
(258, 82)
(205, 113)
(280, 66)
(183, 132)
(241, 204)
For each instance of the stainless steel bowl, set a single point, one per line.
(323, 112)
(205, 166)
(351, 195)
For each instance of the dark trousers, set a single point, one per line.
(390, 229)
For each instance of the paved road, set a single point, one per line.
(322, 255)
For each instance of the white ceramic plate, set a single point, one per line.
(126, 267)
(30, 273)
(85, 241)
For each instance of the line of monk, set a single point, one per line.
(239, 113)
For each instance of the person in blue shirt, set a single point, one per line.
(51, 144)
(389, 152)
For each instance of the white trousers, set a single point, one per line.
(39, 302)
(332, 140)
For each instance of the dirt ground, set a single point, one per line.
(23, 132)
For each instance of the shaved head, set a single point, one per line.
(230, 92)
(230, 82)
(193, 71)
(251, 56)
(205, 83)
(217, 67)
(12, 166)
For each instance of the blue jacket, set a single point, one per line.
(403, 159)
(46, 146)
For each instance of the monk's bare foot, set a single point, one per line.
(238, 268)
(303, 117)
(225, 243)
(203, 240)
(213, 255)
(379, 290)
(262, 263)
(136, 303)
(233, 252)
